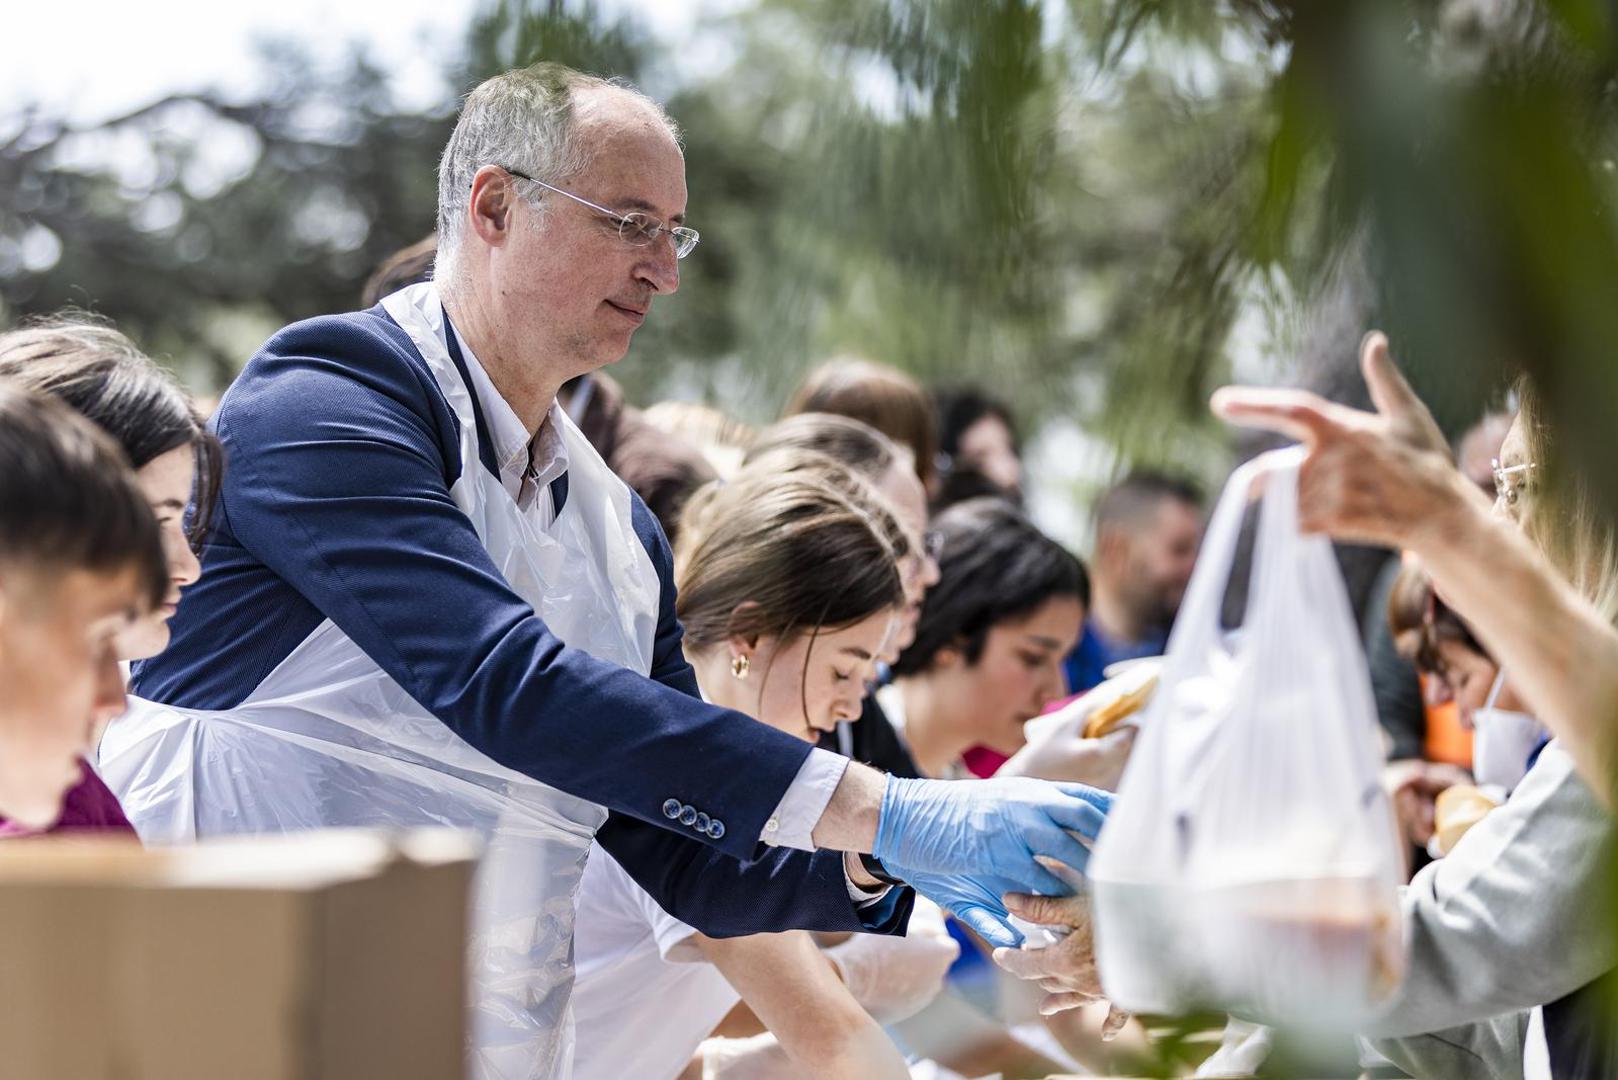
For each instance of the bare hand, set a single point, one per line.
(1414, 785)
(1067, 969)
(1384, 477)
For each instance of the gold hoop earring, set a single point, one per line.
(740, 666)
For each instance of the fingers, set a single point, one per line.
(1068, 911)
(1115, 1022)
(1296, 414)
(1027, 963)
(1036, 879)
(1392, 395)
(1055, 1003)
(987, 925)
(1100, 800)
(1059, 845)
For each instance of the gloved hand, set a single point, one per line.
(966, 843)
(894, 978)
(1061, 752)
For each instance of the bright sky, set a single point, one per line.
(103, 57)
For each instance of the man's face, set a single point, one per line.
(568, 286)
(1161, 556)
(59, 680)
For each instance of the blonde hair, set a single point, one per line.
(722, 439)
(1562, 516)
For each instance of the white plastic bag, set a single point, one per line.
(1250, 862)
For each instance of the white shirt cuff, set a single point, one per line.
(800, 808)
(863, 897)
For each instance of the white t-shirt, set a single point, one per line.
(643, 996)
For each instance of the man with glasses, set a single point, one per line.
(428, 601)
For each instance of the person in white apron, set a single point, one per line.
(405, 619)
(329, 739)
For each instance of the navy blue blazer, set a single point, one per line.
(340, 453)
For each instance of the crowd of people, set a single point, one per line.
(779, 739)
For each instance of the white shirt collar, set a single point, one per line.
(510, 437)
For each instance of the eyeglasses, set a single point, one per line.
(637, 229)
(1505, 489)
(932, 543)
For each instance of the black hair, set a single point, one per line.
(67, 498)
(1131, 499)
(994, 566)
(959, 407)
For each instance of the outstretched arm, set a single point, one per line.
(1386, 478)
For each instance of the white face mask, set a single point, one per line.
(1502, 742)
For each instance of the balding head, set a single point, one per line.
(547, 121)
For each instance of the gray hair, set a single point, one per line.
(523, 119)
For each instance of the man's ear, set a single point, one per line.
(1112, 545)
(490, 206)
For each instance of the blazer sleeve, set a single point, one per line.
(779, 889)
(337, 483)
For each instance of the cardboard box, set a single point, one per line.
(316, 956)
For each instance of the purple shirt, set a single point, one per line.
(90, 806)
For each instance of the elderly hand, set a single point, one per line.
(1066, 970)
(1384, 477)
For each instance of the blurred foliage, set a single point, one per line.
(1092, 206)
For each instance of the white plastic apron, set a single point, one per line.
(328, 739)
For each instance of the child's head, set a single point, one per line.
(80, 558)
(789, 586)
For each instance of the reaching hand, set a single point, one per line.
(1381, 477)
(1066, 970)
(1058, 750)
(966, 843)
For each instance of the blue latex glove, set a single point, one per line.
(965, 844)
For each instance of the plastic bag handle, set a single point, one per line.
(1196, 633)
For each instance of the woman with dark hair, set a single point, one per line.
(977, 446)
(987, 658)
(97, 371)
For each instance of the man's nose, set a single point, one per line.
(661, 267)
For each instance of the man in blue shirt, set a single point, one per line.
(376, 460)
(1148, 528)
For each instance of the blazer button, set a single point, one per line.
(671, 809)
(716, 829)
(688, 815)
(701, 824)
